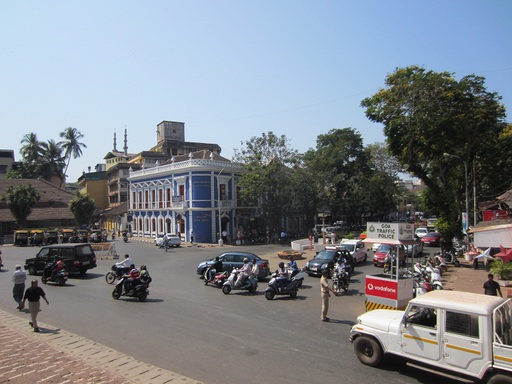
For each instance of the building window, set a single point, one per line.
(168, 198)
(222, 192)
(160, 198)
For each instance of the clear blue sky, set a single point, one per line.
(229, 70)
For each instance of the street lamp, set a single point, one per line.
(466, 180)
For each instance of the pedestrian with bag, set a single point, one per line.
(33, 294)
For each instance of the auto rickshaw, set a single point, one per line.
(52, 237)
(21, 238)
(37, 237)
(67, 234)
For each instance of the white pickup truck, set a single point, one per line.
(460, 333)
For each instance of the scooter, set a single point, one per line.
(291, 288)
(421, 287)
(59, 277)
(139, 289)
(250, 284)
(218, 279)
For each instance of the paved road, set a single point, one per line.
(197, 331)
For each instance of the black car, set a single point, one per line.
(77, 257)
(232, 260)
(326, 259)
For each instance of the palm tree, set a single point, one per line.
(31, 149)
(71, 145)
(52, 161)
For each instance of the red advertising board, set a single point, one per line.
(496, 214)
(384, 288)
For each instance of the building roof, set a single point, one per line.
(52, 205)
(121, 209)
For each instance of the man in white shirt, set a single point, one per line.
(125, 264)
(255, 269)
(244, 272)
(165, 242)
(18, 278)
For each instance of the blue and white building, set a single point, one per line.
(191, 194)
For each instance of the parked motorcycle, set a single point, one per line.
(60, 277)
(250, 284)
(115, 273)
(291, 288)
(138, 289)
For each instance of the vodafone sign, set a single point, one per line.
(387, 289)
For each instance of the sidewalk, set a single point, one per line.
(57, 356)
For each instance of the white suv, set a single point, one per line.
(466, 334)
(356, 249)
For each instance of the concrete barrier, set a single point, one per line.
(105, 250)
(301, 245)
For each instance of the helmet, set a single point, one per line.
(246, 260)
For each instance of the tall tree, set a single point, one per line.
(82, 206)
(427, 114)
(341, 164)
(31, 148)
(267, 161)
(52, 162)
(381, 190)
(71, 145)
(20, 200)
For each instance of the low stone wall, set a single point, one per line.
(301, 245)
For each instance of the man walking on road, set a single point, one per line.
(324, 291)
(33, 294)
(18, 278)
(491, 287)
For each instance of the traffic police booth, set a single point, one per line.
(390, 290)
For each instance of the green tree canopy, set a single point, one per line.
(268, 161)
(341, 165)
(71, 145)
(20, 200)
(82, 206)
(427, 114)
